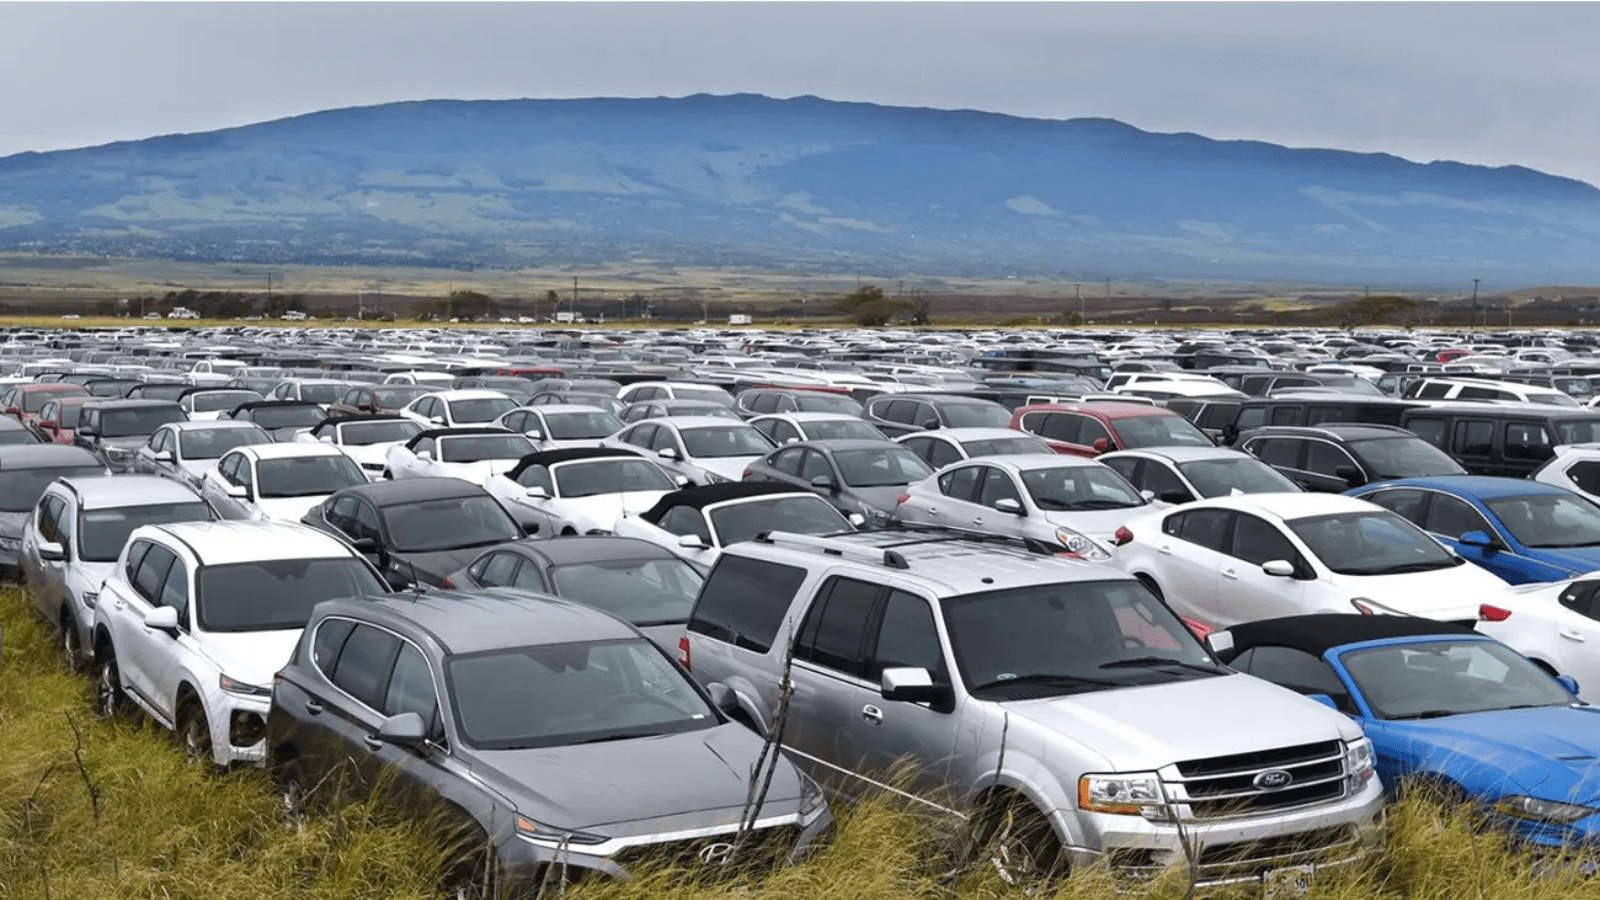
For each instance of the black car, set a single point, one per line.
(901, 414)
(545, 738)
(761, 401)
(1335, 458)
(416, 530)
(114, 430)
(644, 583)
(283, 419)
(157, 390)
(860, 477)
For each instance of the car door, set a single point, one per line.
(1576, 635)
(404, 459)
(349, 715)
(1286, 454)
(783, 466)
(830, 687)
(995, 485)
(140, 648)
(47, 583)
(956, 500)
(1246, 593)
(1449, 517)
(1189, 555)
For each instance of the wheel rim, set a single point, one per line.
(69, 644)
(106, 689)
(197, 739)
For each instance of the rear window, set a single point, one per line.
(744, 601)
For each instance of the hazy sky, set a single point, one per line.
(1489, 83)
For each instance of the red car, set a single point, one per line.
(58, 419)
(1090, 429)
(24, 401)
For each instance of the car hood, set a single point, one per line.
(1100, 524)
(1577, 560)
(477, 472)
(432, 566)
(729, 467)
(1447, 594)
(288, 509)
(253, 656)
(1145, 728)
(369, 454)
(617, 788)
(196, 468)
(1551, 752)
(603, 510)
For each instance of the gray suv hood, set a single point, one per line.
(622, 788)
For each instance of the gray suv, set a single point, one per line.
(550, 732)
(1058, 696)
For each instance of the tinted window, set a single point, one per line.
(103, 532)
(1296, 670)
(137, 421)
(1246, 474)
(500, 569)
(1407, 504)
(835, 628)
(20, 489)
(643, 591)
(807, 514)
(1527, 440)
(962, 484)
(1474, 438)
(744, 601)
(997, 486)
(411, 686)
(364, 664)
(278, 594)
(1206, 528)
(175, 591)
(329, 639)
(1326, 459)
(153, 573)
(1452, 517)
(1284, 452)
(1585, 476)
(1430, 430)
(907, 638)
(1258, 541)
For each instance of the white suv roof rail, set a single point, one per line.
(888, 553)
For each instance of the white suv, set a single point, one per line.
(197, 617)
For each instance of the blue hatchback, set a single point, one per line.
(1523, 531)
(1447, 709)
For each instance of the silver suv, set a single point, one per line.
(1056, 696)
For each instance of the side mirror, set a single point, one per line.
(1568, 682)
(534, 434)
(238, 492)
(48, 423)
(824, 482)
(682, 481)
(1278, 568)
(405, 730)
(1101, 445)
(1349, 475)
(538, 492)
(1477, 539)
(363, 407)
(692, 542)
(366, 546)
(50, 551)
(424, 454)
(723, 697)
(395, 580)
(667, 453)
(1009, 505)
(437, 420)
(930, 425)
(164, 456)
(911, 686)
(162, 618)
(326, 439)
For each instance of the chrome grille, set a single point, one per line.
(1236, 785)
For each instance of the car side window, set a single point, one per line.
(997, 486)
(664, 439)
(1129, 468)
(1164, 483)
(686, 520)
(788, 461)
(1206, 528)
(152, 573)
(136, 555)
(1474, 438)
(1090, 430)
(744, 600)
(1324, 458)
(500, 570)
(941, 454)
(364, 664)
(1585, 476)
(1583, 598)
(243, 474)
(1257, 541)
(537, 476)
(962, 484)
(1527, 440)
(1430, 430)
(529, 579)
(425, 445)
(1403, 502)
(411, 687)
(1453, 517)
(907, 638)
(45, 519)
(815, 465)
(782, 433)
(366, 522)
(1297, 670)
(835, 628)
(1284, 452)
(228, 468)
(327, 642)
(342, 513)
(1063, 427)
(175, 591)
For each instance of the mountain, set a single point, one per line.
(803, 184)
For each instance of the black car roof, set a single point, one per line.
(705, 495)
(340, 420)
(1316, 634)
(549, 457)
(408, 490)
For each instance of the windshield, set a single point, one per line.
(1245, 474)
(449, 523)
(743, 520)
(484, 409)
(287, 416)
(1442, 678)
(714, 442)
(1078, 488)
(610, 476)
(103, 532)
(883, 466)
(276, 594)
(1371, 543)
(162, 391)
(708, 394)
(322, 392)
(307, 476)
(1549, 521)
(560, 694)
(1028, 642)
(1577, 431)
(394, 397)
(579, 426)
(211, 443)
(363, 434)
(1404, 457)
(1006, 446)
(138, 421)
(479, 447)
(824, 401)
(841, 430)
(212, 401)
(1159, 431)
(20, 489)
(976, 415)
(645, 592)
(33, 401)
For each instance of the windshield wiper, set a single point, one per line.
(1050, 679)
(1150, 662)
(1403, 568)
(1431, 714)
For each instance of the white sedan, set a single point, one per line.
(1557, 625)
(471, 454)
(456, 409)
(703, 449)
(1575, 467)
(1242, 558)
(580, 490)
(365, 439)
(697, 522)
(278, 482)
(560, 426)
(1181, 474)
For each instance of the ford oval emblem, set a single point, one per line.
(1272, 780)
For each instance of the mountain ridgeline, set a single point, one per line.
(799, 185)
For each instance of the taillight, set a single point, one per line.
(746, 474)
(683, 651)
(1489, 613)
(448, 583)
(1122, 536)
(1196, 627)
(901, 499)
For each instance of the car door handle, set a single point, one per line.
(872, 714)
(1571, 634)
(373, 742)
(314, 707)
(977, 520)
(1164, 549)
(1229, 573)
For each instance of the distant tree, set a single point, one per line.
(1376, 308)
(870, 308)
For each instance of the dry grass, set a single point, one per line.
(136, 822)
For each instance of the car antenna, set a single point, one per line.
(416, 585)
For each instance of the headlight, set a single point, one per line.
(1124, 794)
(1525, 807)
(1080, 546)
(1369, 607)
(714, 478)
(1358, 763)
(812, 800)
(538, 831)
(234, 686)
(10, 543)
(118, 453)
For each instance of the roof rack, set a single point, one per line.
(889, 554)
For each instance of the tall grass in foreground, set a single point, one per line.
(92, 810)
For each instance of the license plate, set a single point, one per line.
(1286, 884)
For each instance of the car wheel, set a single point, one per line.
(71, 644)
(293, 793)
(109, 701)
(194, 732)
(1017, 840)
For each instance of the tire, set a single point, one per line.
(293, 789)
(194, 734)
(71, 643)
(110, 701)
(1017, 840)
(387, 475)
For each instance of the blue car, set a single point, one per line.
(1522, 531)
(1445, 708)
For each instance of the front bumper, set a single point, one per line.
(238, 726)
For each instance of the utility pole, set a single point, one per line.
(574, 299)
(1077, 291)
